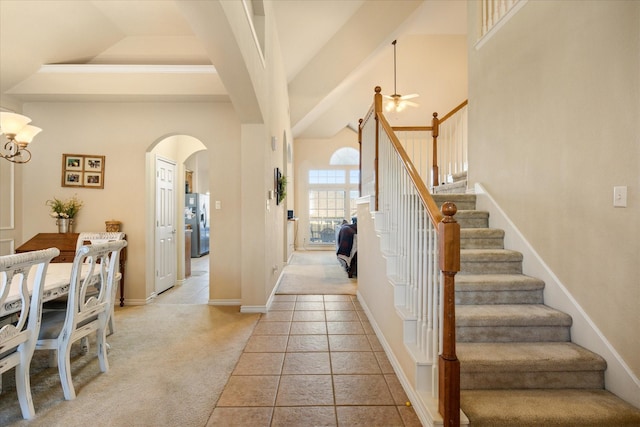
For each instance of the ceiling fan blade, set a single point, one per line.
(411, 104)
(413, 95)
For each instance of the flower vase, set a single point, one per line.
(65, 225)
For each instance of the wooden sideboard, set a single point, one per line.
(66, 243)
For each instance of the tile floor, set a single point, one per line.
(195, 289)
(313, 360)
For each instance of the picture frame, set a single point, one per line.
(72, 179)
(83, 170)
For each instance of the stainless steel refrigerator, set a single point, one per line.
(197, 215)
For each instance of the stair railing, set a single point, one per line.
(447, 138)
(422, 247)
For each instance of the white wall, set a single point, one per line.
(553, 127)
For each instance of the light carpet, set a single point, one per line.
(315, 273)
(168, 367)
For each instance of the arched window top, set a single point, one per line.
(345, 156)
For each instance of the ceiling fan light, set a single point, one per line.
(390, 106)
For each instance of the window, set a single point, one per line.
(332, 195)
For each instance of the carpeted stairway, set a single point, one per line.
(518, 366)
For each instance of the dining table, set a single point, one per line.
(56, 284)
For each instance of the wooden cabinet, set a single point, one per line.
(66, 243)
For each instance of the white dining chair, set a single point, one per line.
(93, 237)
(85, 313)
(18, 337)
(90, 238)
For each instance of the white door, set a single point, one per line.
(166, 257)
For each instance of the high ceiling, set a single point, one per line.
(334, 53)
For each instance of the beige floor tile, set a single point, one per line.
(282, 305)
(277, 316)
(337, 297)
(342, 316)
(370, 416)
(305, 390)
(397, 392)
(309, 305)
(251, 390)
(384, 363)
(272, 328)
(267, 344)
(349, 343)
(345, 363)
(316, 363)
(368, 329)
(317, 416)
(375, 343)
(361, 390)
(310, 298)
(259, 364)
(298, 343)
(281, 298)
(308, 328)
(409, 416)
(345, 328)
(339, 305)
(241, 417)
(309, 316)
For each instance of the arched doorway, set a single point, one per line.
(166, 208)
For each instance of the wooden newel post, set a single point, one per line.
(449, 366)
(377, 107)
(435, 129)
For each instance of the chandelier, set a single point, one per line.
(18, 133)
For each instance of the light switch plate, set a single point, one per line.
(620, 197)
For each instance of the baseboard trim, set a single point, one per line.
(224, 302)
(148, 300)
(253, 309)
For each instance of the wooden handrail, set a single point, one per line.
(449, 259)
(455, 110)
(423, 192)
(411, 128)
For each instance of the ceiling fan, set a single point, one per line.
(397, 102)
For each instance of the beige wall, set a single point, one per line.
(124, 133)
(553, 127)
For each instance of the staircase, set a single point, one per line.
(518, 366)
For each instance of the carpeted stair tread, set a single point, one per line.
(483, 255)
(472, 218)
(497, 282)
(510, 315)
(527, 357)
(476, 238)
(490, 261)
(462, 201)
(535, 408)
(498, 289)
